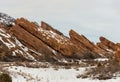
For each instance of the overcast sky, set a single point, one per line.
(92, 18)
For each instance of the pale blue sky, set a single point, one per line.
(92, 18)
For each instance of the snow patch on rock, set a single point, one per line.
(6, 19)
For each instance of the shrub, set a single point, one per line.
(5, 78)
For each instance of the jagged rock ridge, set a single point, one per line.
(25, 40)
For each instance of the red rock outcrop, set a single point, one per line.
(53, 39)
(49, 37)
(27, 39)
(53, 44)
(82, 41)
(106, 44)
(110, 47)
(102, 46)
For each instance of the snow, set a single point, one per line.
(18, 78)
(6, 19)
(109, 50)
(25, 74)
(12, 45)
(25, 50)
(13, 54)
(101, 59)
(54, 52)
(2, 33)
(36, 52)
(17, 51)
(18, 42)
(48, 74)
(9, 45)
(50, 34)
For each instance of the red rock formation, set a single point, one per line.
(49, 37)
(50, 42)
(81, 39)
(23, 46)
(53, 39)
(102, 46)
(29, 40)
(84, 42)
(109, 44)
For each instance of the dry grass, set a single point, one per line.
(102, 71)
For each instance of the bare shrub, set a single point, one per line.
(5, 78)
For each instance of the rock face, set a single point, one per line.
(82, 41)
(117, 55)
(108, 43)
(111, 47)
(49, 37)
(27, 41)
(53, 39)
(11, 49)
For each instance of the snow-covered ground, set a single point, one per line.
(25, 74)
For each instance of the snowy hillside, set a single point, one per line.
(50, 73)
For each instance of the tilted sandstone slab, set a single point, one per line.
(110, 47)
(54, 40)
(16, 44)
(49, 37)
(85, 43)
(12, 49)
(107, 44)
(82, 39)
(31, 41)
(28, 40)
(102, 46)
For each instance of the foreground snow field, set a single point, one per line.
(25, 74)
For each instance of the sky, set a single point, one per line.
(92, 18)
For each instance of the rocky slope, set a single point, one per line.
(23, 40)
